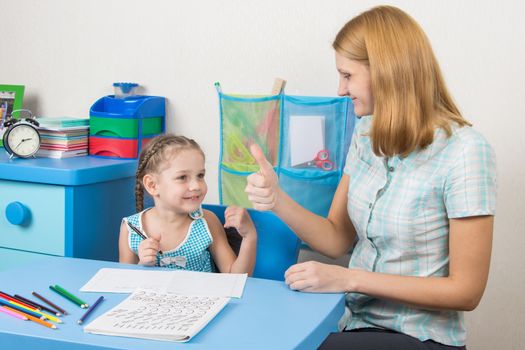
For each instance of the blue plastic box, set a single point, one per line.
(140, 117)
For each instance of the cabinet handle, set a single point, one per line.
(17, 214)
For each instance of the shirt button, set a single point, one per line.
(370, 206)
(391, 169)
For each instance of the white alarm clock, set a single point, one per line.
(21, 137)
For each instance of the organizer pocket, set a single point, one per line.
(311, 188)
(311, 125)
(232, 184)
(246, 121)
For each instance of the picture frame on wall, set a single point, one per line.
(11, 98)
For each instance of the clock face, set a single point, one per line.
(23, 140)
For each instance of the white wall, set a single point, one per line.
(68, 53)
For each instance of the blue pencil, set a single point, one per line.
(89, 310)
(21, 309)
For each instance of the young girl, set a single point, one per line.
(179, 233)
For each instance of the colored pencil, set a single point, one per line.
(36, 310)
(43, 323)
(92, 307)
(37, 305)
(64, 312)
(26, 306)
(12, 313)
(49, 317)
(32, 309)
(83, 303)
(139, 232)
(34, 319)
(21, 299)
(13, 299)
(12, 305)
(61, 291)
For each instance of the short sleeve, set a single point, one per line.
(470, 187)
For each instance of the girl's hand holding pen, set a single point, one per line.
(148, 250)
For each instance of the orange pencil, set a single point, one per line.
(32, 318)
(43, 323)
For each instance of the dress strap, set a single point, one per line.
(197, 213)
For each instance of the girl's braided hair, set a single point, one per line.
(153, 155)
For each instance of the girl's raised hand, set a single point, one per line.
(263, 186)
(148, 250)
(241, 220)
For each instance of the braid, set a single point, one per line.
(139, 196)
(152, 155)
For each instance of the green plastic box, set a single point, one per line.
(124, 127)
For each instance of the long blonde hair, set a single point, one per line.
(153, 155)
(411, 98)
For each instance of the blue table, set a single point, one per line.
(268, 316)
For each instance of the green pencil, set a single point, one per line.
(83, 304)
(56, 288)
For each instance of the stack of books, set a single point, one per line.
(63, 137)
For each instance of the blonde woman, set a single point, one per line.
(415, 205)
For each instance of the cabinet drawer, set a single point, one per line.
(43, 230)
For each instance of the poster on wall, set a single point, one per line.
(11, 97)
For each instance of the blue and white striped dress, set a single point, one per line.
(401, 208)
(192, 253)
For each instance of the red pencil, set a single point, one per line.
(11, 298)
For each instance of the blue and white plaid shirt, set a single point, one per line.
(401, 208)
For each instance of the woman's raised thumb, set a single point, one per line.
(266, 168)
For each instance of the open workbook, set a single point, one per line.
(157, 315)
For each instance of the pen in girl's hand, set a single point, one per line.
(139, 232)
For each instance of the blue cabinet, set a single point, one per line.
(66, 207)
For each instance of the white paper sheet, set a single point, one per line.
(108, 280)
(156, 315)
(306, 138)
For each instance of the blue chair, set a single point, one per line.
(277, 245)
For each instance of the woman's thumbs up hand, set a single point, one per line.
(263, 186)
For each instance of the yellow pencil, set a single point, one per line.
(23, 307)
(35, 310)
(49, 317)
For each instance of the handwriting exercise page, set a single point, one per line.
(158, 315)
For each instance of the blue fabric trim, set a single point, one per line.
(236, 172)
(219, 94)
(310, 173)
(315, 101)
(249, 99)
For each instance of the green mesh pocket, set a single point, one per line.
(232, 188)
(246, 121)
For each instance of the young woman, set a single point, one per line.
(416, 202)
